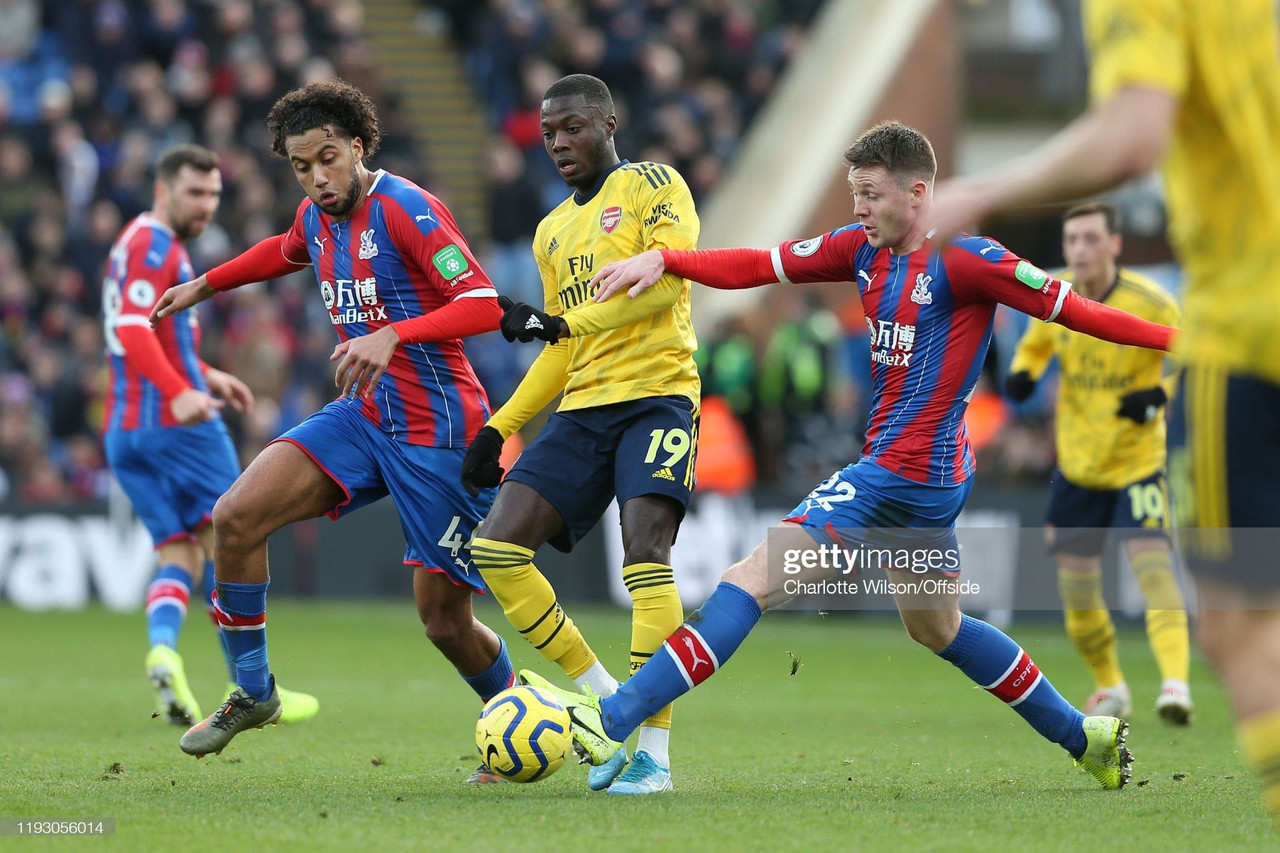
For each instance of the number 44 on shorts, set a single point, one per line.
(455, 541)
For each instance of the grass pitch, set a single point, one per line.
(872, 744)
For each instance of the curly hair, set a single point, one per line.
(332, 103)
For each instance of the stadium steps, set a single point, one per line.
(426, 72)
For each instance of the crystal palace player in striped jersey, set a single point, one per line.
(930, 313)
(165, 441)
(401, 288)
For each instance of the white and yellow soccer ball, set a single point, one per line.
(523, 734)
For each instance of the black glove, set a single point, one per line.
(523, 322)
(1018, 386)
(1141, 406)
(480, 468)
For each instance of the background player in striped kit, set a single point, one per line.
(930, 311)
(163, 434)
(401, 288)
(627, 424)
(1111, 474)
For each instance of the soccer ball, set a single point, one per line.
(523, 734)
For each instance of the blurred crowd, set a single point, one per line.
(92, 91)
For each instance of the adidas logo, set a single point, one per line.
(533, 323)
(664, 474)
(555, 244)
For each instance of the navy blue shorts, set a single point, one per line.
(1084, 516)
(1224, 467)
(864, 504)
(584, 458)
(437, 515)
(173, 475)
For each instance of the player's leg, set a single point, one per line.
(1076, 532)
(653, 476)
(1223, 465)
(479, 655)
(282, 485)
(997, 664)
(556, 492)
(1151, 561)
(137, 458)
(295, 706)
(649, 525)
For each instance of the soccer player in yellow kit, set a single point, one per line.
(1111, 465)
(626, 426)
(1197, 86)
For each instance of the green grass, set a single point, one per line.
(873, 744)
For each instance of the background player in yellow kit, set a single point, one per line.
(1111, 465)
(627, 425)
(1197, 86)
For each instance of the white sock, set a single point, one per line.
(598, 679)
(655, 741)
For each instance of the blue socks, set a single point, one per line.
(206, 583)
(1000, 666)
(167, 599)
(498, 677)
(687, 658)
(241, 611)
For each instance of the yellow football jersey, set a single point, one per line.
(640, 206)
(1098, 449)
(1222, 170)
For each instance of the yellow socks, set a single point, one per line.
(1259, 739)
(1166, 614)
(530, 604)
(1089, 624)
(655, 615)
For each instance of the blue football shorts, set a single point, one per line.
(583, 458)
(173, 475)
(866, 505)
(1083, 516)
(437, 515)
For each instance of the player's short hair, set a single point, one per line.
(197, 157)
(1110, 215)
(330, 103)
(901, 150)
(592, 89)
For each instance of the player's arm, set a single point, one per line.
(1030, 359)
(822, 258)
(1139, 70)
(271, 258)
(1022, 286)
(1144, 404)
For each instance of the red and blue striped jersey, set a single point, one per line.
(929, 315)
(145, 261)
(399, 256)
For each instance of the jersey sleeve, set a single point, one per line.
(1137, 43)
(294, 243)
(426, 236)
(1003, 277)
(147, 275)
(1035, 350)
(827, 257)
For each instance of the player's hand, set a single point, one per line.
(1018, 386)
(522, 322)
(363, 360)
(480, 468)
(229, 388)
(1142, 406)
(192, 406)
(638, 273)
(180, 298)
